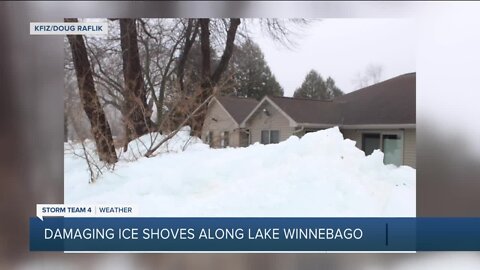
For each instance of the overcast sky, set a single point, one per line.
(343, 48)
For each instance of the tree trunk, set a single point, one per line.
(189, 40)
(209, 81)
(65, 124)
(91, 104)
(205, 48)
(136, 111)
(227, 52)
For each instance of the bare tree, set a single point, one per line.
(190, 37)
(159, 44)
(222, 33)
(65, 123)
(209, 79)
(283, 31)
(136, 111)
(91, 104)
(169, 66)
(199, 107)
(160, 41)
(371, 75)
(374, 72)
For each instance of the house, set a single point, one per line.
(221, 127)
(380, 116)
(383, 116)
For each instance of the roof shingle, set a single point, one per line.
(308, 110)
(389, 102)
(237, 107)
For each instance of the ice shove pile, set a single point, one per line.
(319, 175)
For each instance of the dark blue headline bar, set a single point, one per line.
(255, 234)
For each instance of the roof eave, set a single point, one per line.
(267, 99)
(225, 109)
(360, 126)
(379, 126)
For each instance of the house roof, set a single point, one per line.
(237, 107)
(307, 110)
(389, 102)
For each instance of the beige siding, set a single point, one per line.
(223, 123)
(410, 148)
(353, 135)
(409, 142)
(275, 121)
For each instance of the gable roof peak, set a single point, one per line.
(237, 107)
(300, 98)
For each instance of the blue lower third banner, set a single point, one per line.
(254, 234)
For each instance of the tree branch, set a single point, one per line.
(173, 133)
(227, 53)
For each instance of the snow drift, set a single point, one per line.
(320, 175)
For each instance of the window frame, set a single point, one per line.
(371, 134)
(382, 133)
(278, 138)
(269, 132)
(248, 140)
(225, 139)
(261, 136)
(209, 138)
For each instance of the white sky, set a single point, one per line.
(343, 48)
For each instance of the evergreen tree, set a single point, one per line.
(332, 89)
(314, 87)
(251, 75)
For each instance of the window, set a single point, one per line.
(274, 136)
(370, 142)
(270, 136)
(265, 137)
(225, 139)
(391, 145)
(393, 149)
(244, 138)
(209, 138)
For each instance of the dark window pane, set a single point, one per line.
(370, 142)
(274, 136)
(265, 137)
(226, 139)
(244, 138)
(210, 138)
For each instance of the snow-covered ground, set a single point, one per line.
(320, 175)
